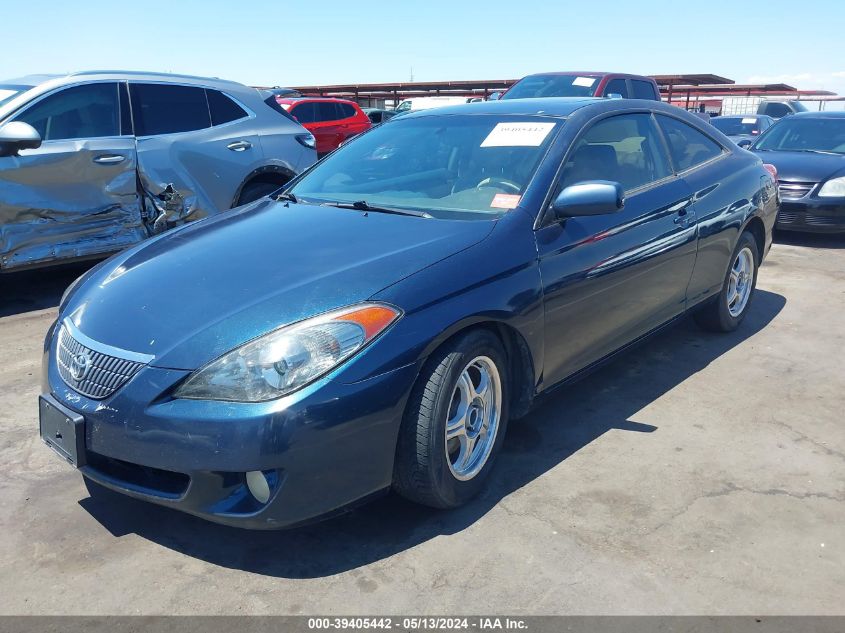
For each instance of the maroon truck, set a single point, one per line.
(584, 84)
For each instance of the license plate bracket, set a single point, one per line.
(62, 430)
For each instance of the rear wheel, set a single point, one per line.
(454, 423)
(728, 309)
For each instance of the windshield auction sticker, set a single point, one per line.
(505, 201)
(518, 135)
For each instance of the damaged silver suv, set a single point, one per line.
(93, 162)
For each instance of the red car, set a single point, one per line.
(331, 121)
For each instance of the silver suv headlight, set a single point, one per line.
(289, 358)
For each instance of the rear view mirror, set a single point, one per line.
(17, 135)
(595, 197)
(744, 143)
(494, 96)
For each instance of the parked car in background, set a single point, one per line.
(281, 92)
(775, 108)
(808, 150)
(379, 322)
(742, 130)
(331, 121)
(426, 103)
(584, 84)
(93, 162)
(377, 115)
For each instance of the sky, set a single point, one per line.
(284, 43)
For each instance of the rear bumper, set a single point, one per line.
(321, 449)
(812, 215)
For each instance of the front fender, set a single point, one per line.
(496, 281)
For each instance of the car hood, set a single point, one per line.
(197, 292)
(803, 166)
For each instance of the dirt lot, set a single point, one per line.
(697, 474)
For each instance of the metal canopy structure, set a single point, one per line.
(405, 90)
(673, 88)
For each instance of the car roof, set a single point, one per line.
(28, 80)
(819, 115)
(295, 100)
(589, 73)
(117, 75)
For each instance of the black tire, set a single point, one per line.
(422, 471)
(715, 315)
(252, 191)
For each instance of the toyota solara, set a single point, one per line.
(376, 324)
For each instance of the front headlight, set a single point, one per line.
(833, 188)
(289, 358)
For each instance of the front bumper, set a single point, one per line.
(322, 448)
(812, 215)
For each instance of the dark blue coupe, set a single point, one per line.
(378, 323)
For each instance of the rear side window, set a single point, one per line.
(616, 86)
(346, 110)
(624, 149)
(168, 109)
(688, 146)
(328, 111)
(223, 109)
(305, 112)
(89, 111)
(643, 90)
(271, 101)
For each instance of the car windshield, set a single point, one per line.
(552, 86)
(736, 125)
(8, 92)
(453, 166)
(800, 134)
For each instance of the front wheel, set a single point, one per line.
(454, 423)
(728, 309)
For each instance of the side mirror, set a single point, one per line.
(595, 197)
(744, 143)
(17, 135)
(494, 96)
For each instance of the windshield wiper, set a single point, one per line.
(286, 196)
(363, 205)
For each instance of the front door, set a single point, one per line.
(610, 279)
(75, 196)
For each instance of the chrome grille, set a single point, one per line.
(98, 375)
(794, 190)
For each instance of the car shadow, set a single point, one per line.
(38, 289)
(813, 240)
(561, 425)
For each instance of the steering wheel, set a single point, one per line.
(501, 183)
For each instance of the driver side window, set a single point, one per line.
(625, 148)
(88, 111)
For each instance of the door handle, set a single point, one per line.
(109, 159)
(239, 146)
(683, 218)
